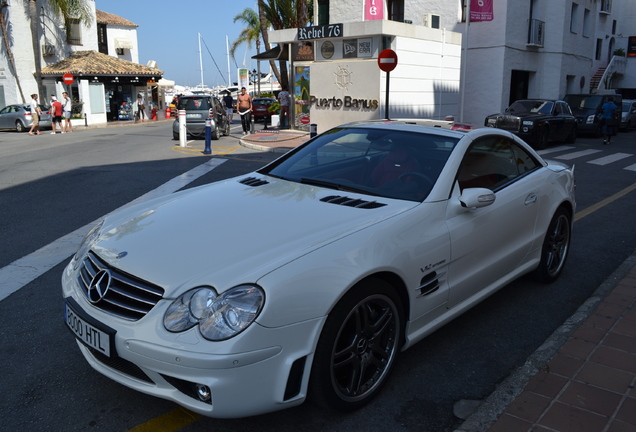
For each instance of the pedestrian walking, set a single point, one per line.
(609, 120)
(35, 115)
(228, 100)
(57, 110)
(283, 98)
(68, 106)
(244, 108)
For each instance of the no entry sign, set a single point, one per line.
(387, 60)
(68, 78)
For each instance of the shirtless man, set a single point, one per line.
(244, 108)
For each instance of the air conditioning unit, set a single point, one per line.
(48, 50)
(431, 20)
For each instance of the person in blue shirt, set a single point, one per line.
(608, 120)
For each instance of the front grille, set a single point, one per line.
(127, 297)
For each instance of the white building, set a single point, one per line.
(101, 58)
(530, 49)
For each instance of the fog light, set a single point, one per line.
(204, 393)
(525, 129)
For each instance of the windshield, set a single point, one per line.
(583, 101)
(626, 106)
(382, 162)
(194, 104)
(531, 106)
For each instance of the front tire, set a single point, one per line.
(358, 347)
(216, 133)
(556, 246)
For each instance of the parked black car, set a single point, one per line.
(198, 108)
(537, 121)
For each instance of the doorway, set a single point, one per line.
(519, 81)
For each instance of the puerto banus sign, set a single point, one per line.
(346, 102)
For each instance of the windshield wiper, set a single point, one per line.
(337, 186)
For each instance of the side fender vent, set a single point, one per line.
(431, 283)
(253, 181)
(352, 202)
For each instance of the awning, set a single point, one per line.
(279, 52)
(123, 43)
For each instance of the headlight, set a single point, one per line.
(590, 119)
(528, 122)
(219, 317)
(87, 243)
(492, 121)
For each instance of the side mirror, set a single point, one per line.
(477, 198)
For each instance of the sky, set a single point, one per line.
(168, 34)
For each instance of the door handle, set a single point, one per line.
(531, 199)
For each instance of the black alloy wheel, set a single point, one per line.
(358, 347)
(556, 246)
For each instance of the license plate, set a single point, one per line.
(193, 115)
(88, 334)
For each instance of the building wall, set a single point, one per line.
(498, 49)
(129, 33)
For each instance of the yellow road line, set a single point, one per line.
(169, 422)
(219, 150)
(603, 203)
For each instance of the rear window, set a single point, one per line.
(193, 104)
(266, 102)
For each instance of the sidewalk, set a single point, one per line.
(274, 140)
(582, 379)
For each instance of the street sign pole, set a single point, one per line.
(387, 61)
(386, 102)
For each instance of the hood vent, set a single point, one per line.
(253, 181)
(352, 202)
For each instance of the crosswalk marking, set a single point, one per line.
(578, 154)
(554, 150)
(601, 161)
(610, 158)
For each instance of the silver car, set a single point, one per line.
(18, 117)
(628, 115)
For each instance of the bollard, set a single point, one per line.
(313, 130)
(208, 136)
(251, 122)
(183, 132)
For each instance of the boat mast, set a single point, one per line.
(200, 60)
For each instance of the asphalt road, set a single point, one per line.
(51, 186)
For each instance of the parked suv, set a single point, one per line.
(587, 109)
(198, 108)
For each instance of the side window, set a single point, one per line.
(492, 162)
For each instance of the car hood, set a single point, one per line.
(231, 232)
(523, 115)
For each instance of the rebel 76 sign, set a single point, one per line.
(320, 32)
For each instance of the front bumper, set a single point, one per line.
(260, 370)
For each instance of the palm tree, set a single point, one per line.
(66, 9)
(284, 14)
(7, 47)
(250, 34)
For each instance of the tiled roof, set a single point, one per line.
(95, 63)
(109, 18)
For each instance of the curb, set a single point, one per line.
(505, 394)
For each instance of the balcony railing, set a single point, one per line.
(606, 6)
(536, 32)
